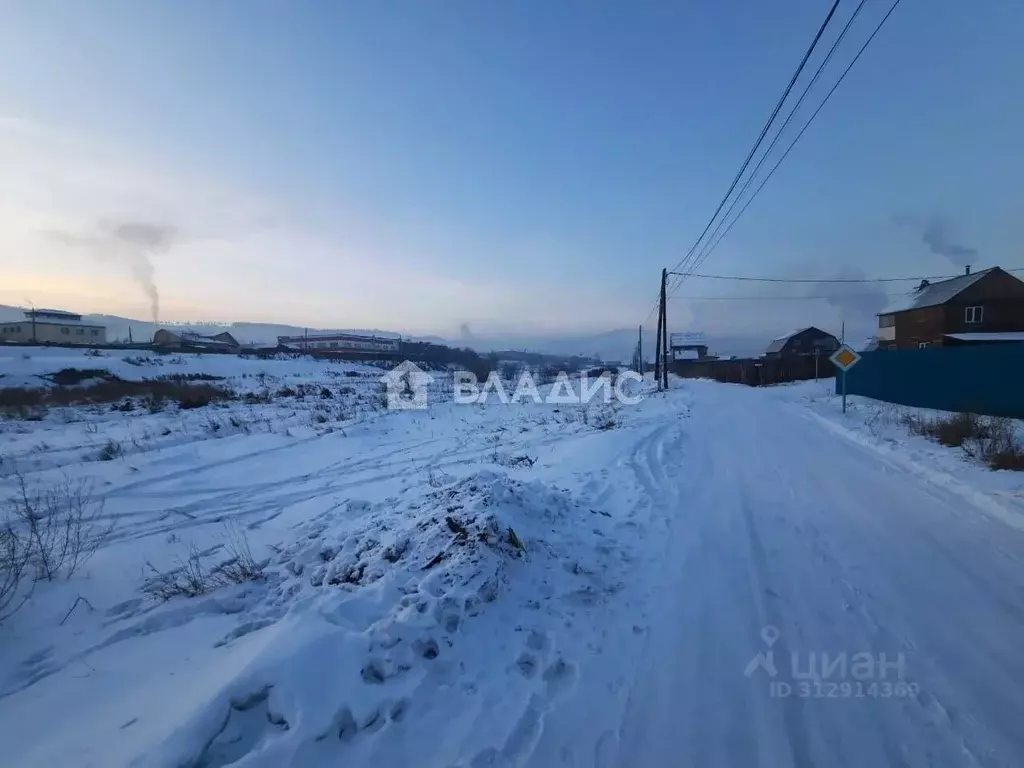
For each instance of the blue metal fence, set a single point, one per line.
(986, 379)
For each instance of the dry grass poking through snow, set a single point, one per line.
(987, 438)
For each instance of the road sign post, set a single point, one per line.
(844, 359)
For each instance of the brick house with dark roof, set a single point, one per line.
(976, 307)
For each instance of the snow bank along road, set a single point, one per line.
(724, 577)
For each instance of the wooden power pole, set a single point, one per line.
(663, 331)
(657, 345)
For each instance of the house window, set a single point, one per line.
(886, 321)
(80, 332)
(66, 331)
(923, 345)
(95, 333)
(974, 314)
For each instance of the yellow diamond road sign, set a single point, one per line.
(844, 358)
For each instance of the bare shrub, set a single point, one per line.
(112, 450)
(522, 460)
(259, 398)
(951, 430)
(61, 526)
(188, 579)
(14, 561)
(193, 376)
(602, 418)
(997, 445)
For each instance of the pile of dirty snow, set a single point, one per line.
(383, 625)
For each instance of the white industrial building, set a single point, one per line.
(341, 342)
(52, 326)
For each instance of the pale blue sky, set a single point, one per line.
(524, 166)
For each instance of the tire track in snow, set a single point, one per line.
(791, 528)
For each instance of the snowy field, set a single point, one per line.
(498, 585)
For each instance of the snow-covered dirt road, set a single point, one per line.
(906, 600)
(716, 576)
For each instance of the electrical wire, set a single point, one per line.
(788, 298)
(764, 132)
(778, 134)
(789, 149)
(834, 279)
(760, 139)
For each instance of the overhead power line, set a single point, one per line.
(778, 134)
(764, 132)
(760, 138)
(789, 298)
(792, 144)
(832, 279)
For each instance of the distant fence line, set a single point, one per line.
(756, 372)
(986, 379)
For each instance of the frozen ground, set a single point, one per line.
(400, 621)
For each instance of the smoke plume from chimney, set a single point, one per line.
(132, 243)
(937, 234)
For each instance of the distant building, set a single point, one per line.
(975, 307)
(341, 342)
(192, 340)
(688, 346)
(869, 344)
(52, 326)
(807, 342)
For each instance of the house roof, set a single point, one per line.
(328, 336)
(42, 312)
(1000, 336)
(870, 344)
(189, 336)
(934, 294)
(778, 343)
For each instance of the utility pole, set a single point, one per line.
(664, 331)
(657, 337)
(640, 350)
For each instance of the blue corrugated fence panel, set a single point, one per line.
(986, 379)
